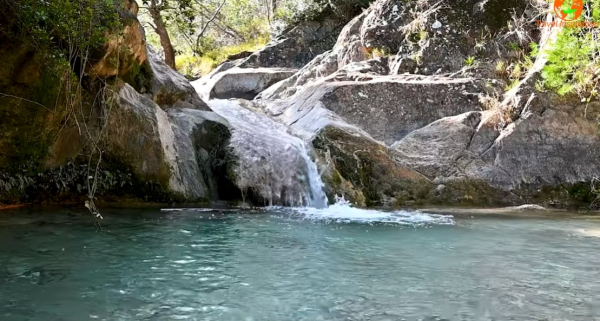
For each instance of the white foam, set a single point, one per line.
(589, 232)
(343, 212)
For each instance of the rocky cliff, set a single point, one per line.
(405, 105)
(411, 106)
(123, 127)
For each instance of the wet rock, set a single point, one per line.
(527, 207)
(271, 166)
(203, 155)
(363, 170)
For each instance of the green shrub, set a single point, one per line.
(193, 66)
(574, 60)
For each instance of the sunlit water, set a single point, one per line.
(296, 265)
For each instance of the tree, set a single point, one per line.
(155, 9)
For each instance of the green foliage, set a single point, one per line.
(193, 66)
(381, 52)
(514, 46)
(534, 49)
(81, 23)
(470, 61)
(574, 60)
(570, 62)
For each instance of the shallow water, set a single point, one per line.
(306, 265)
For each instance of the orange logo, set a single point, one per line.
(571, 13)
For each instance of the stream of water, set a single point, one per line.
(270, 161)
(296, 264)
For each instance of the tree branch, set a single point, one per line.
(218, 23)
(211, 19)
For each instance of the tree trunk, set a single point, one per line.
(163, 34)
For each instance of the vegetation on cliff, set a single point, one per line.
(574, 60)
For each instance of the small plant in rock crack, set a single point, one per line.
(470, 61)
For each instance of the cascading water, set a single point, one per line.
(271, 162)
(276, 165)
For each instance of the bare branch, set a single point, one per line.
(211, 19)
(27, 100)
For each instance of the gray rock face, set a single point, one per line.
(538, 157)
(324, 64)
(241, 83)
(201, 143)
(386, 107)
(297, 46)
(171, 89)
(171, 149)
(421, 37)
(440, 34)
(134, 137)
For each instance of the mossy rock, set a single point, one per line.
(366, 168)
(33, 105)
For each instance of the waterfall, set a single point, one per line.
(271, 162)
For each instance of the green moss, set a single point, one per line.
(364, 166)
(464, 192)
(30, 124)
(336, 179)
(575, 196)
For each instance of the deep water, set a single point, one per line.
(303, 265)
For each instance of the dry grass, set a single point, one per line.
(420, 17)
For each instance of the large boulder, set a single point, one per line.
(169, 88)
(364, 171)
(172, 150)
(204, 157)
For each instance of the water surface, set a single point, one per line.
(270, 265)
